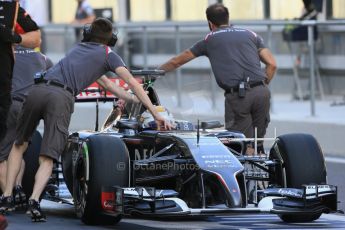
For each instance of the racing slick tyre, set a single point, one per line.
(67, 163)
(103, 161)
(303, 163)
(31, 163)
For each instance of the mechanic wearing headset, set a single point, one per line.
(28, 63)
(53, 99)
(26, 34)
(235, 56)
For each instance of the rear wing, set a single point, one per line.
(95, 92)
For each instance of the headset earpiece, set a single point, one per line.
(87, 33)
(112, 40)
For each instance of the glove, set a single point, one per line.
(7, 35)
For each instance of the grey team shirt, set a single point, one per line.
(28, 63)
(83, 65)
(233, 54)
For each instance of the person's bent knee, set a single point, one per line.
(45, 159)
(19, 148)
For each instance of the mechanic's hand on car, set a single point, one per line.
(163, 124)
(121, 104)
(7, 35)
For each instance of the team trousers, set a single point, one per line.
(250, 112)
(6, 70)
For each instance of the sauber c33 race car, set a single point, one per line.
(129, 168)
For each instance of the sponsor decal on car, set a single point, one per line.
(95, 91)
(108, 201)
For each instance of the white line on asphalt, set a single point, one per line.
(339, 160)
(333, 217)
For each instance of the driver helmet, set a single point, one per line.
(148, 122)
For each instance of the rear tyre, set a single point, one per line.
(100, 157)
(31, 163)
(303, 163)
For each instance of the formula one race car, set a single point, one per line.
(131, 168)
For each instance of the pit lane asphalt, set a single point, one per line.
(62, 216)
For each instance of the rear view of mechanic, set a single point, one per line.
(235, 56)
(28, 63)
(26, 34)
(52, 100)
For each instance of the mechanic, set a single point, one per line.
(26, 34)
(28, 63)
(235, 56)
(52, 99)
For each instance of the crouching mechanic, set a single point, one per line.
(28, 62)
(53, 100)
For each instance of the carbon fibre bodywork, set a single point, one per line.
(195, 170)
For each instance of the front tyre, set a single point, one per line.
(97, 165)
(302, 163)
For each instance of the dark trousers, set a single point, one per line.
(6, 69)
(246, 114)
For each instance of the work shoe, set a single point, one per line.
(35, 212)
(19, 196)
(6, 204)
